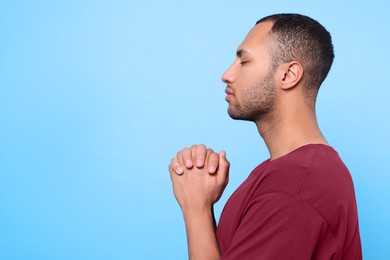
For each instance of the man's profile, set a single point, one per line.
(299, 203)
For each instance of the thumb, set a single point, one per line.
(223, 171)
(222, 159)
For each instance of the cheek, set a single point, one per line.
(254, 71)
(249, 78)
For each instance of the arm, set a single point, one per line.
(281, 226)
(201, 238)
(196, 191)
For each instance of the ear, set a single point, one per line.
(292, 73)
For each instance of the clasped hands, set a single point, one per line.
(199, 176)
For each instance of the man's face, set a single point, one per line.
(250, 79)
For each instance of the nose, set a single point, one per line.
(229, 76)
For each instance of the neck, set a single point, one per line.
(289, 129)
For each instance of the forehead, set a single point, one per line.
(257, 39)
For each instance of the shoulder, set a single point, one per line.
(309, 168)
(289, 172)
(318, 176)
(328, 174)
(329, 189)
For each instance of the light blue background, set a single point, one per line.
(97, 96)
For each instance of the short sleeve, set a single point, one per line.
(277, 226)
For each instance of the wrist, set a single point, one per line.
(198, 212)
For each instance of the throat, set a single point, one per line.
(283, 137)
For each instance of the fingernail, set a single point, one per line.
(212, 169)
(199, 162)
(188, 163)
(179, 170)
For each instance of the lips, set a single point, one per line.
(229, 93)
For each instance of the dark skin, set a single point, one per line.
(199, 175)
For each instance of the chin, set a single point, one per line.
(239, 115)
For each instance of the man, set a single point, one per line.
(300, 203)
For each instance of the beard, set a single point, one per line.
(256, 102)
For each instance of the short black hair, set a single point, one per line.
(300, 38)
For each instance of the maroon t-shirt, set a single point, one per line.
(298, 206)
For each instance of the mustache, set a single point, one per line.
(230, 89)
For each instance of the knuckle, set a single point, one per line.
(213, 160)
(186, 152)
(201, 149)
(202, 146)
(226, 163)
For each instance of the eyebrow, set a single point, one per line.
(242, 52)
